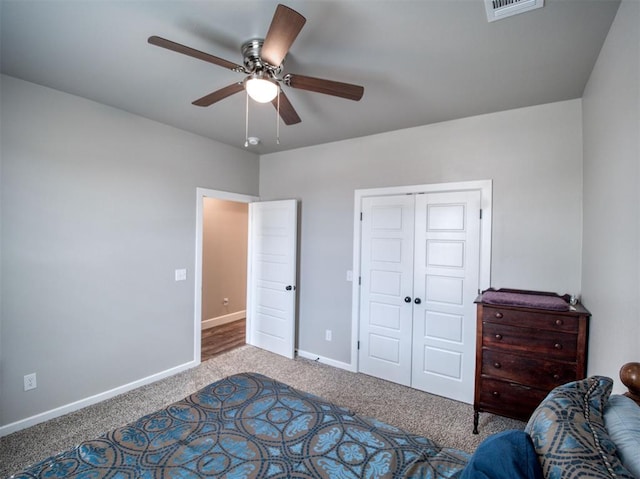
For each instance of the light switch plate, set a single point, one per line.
(181, 275)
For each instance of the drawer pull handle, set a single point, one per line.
(498, 337)
(557, 346)
(497, 365)
(559, 322)
(499, 315)
(495, 394)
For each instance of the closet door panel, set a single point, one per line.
(446, 276)
(386, 281)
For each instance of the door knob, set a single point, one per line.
(407, 299)
(417, 301)
(289, 288)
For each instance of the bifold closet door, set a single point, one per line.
(386, 270)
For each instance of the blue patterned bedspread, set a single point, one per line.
(249, 426)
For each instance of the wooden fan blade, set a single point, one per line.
(218, 95)
(328, 87)
(287, 112)
(284, 29)
(192, 52)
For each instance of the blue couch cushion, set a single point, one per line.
(506, 455)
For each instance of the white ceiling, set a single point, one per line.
(421, 61)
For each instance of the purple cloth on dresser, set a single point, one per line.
(535, 301)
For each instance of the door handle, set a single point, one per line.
(417, 301)
(289, 288)
(407, 299)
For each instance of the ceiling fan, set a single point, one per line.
(263, 63)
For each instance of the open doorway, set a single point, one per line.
(220, 271)
(224, 275)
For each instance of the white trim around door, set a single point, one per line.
(485, 187)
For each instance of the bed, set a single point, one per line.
(248, 426)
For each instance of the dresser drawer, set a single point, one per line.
(543, 373)
(511, 399)
(551, 321)
(551, 344)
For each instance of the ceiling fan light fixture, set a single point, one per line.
(261, 89)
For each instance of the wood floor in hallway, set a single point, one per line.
(223, 338)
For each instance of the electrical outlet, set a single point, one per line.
(30, 382)
(181, 274)
(327, 335)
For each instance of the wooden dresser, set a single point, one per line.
(523, 352)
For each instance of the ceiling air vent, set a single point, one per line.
(497, 9)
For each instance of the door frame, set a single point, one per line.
(201, 194)
(486, 192)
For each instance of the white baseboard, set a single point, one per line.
(227, 318)
(74, 406)
(329, 361)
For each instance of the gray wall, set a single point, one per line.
(98, 210)
(611, 260)
(533, 155)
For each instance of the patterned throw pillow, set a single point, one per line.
(569, 435)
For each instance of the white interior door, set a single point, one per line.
(446, 279)
(386, 280)
(271, 292)
(420, 273)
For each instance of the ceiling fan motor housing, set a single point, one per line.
(253, 61)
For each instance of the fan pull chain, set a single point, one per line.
(278, 120)
(246, 122)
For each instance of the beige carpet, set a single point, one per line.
(443, 420)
